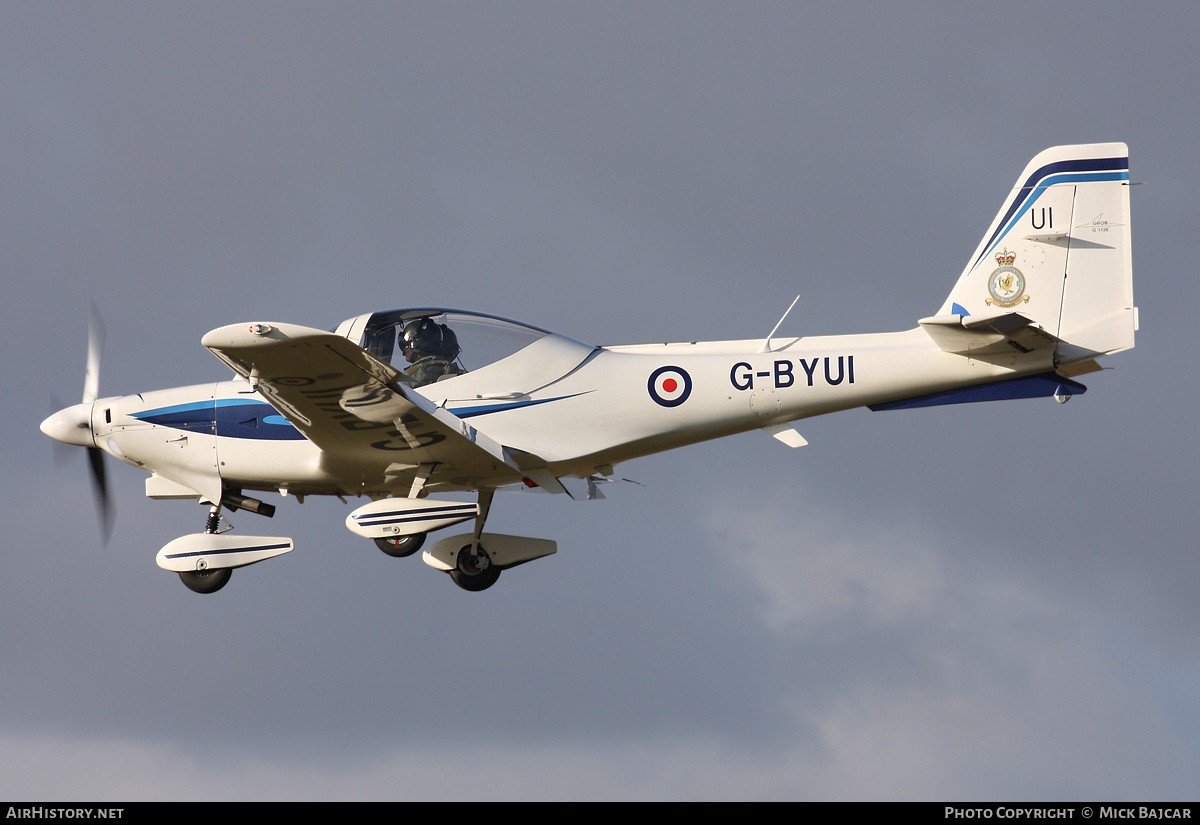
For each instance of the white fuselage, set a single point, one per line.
(612, 404)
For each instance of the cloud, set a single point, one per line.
(816, 565)
(922, 671)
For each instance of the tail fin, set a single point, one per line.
(1058, 254)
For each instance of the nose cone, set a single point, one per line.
(72, 425)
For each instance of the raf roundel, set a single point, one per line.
(669, 386)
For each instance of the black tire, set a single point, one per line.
(472, 573)
(206, 581)
(401, 547)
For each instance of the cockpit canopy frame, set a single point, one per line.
(480, 339)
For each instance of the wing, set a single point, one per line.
(360, 410)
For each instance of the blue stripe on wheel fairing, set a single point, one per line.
(403, 516)
(227, 551)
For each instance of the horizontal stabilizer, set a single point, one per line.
(1035, 386)
(978, 335)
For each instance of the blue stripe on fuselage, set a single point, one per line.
(226, 417)
(239, 418)
(485, 409)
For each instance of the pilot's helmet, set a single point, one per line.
(425, 337)
(450, 348)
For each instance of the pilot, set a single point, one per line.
(430, 348)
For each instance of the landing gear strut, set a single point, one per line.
(401, 547)
(473, 569)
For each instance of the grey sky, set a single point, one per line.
(990, 601)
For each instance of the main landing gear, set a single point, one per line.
(470, 567)
(401, 547)
(473, 568)
(475, 571)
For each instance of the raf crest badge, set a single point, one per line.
(1006, 284)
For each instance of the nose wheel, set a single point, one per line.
(206, 581)
(474, 571)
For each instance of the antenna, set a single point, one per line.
(766, 344)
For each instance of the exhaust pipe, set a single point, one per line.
(236, 501)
